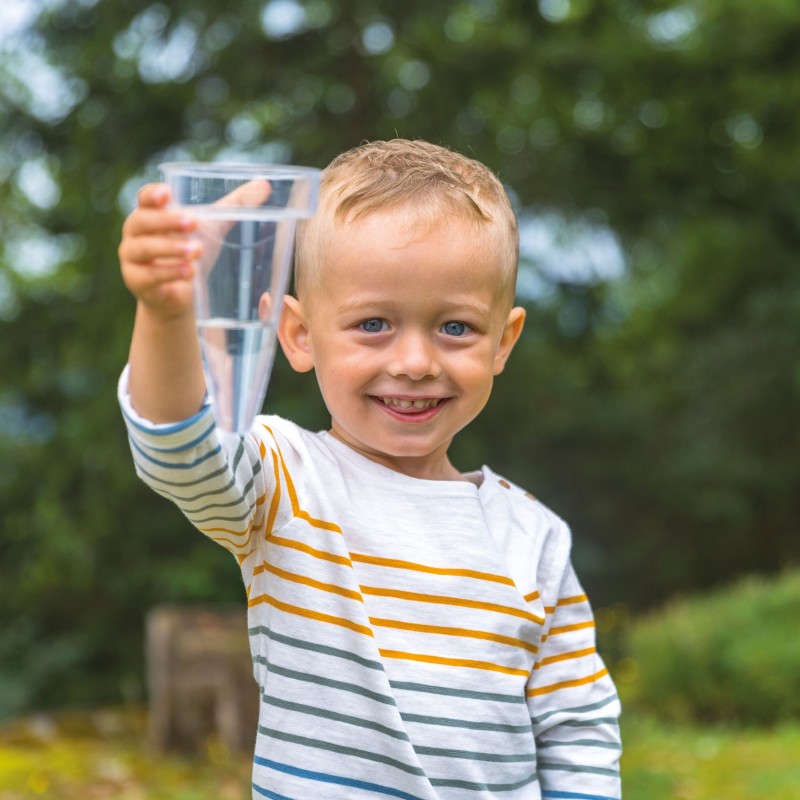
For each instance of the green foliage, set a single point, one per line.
(656, 412)
(732, 655)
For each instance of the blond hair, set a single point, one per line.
(427, 182)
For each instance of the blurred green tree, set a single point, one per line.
(652, 150)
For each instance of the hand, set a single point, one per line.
(158, 254)
(162, 248)
(211, 232)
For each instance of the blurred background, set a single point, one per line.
(652, 151)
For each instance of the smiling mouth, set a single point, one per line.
(407, 404)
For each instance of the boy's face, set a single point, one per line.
(406, 330)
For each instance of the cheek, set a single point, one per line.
(341, 374)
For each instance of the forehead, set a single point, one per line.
(405, 233)
(392, 254)
(341, 242)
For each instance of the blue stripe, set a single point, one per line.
(165, 430)
(269, 794)
(335, 779)
(576, 796)
(187, 445)
(168, 465)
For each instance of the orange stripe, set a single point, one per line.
(578, 626)
(565, 657)
(296, 510)
(445, 631)
(289, 485)
(398, 564)
(309, 614)
(529, 598)
(208, 531)
(276, 497)
(255, 523)
(234, 546)
(453, 662)
(306, 581)
(567, 601)
(451, 601)
(554, 687)
(318, 523)
(312, 551)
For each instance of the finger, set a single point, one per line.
(153, 195)
(145, 221)
(142, 280)
(252, 193)
(148, 249)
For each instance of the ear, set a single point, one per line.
(511, 333)
(294, 336)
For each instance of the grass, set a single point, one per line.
(689, 762)
(101, 755)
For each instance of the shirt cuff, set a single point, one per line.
(135, 420)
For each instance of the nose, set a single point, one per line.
(414, 355)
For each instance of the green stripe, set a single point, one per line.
(333, 715)
(576, 710)
(315, 647)
(494, 757)
(245, 489)
(195, 497)
(485, 787)
(222, 519)
(256, 466)
(592, 722)
(342, 749)
(233, 503)
(611, 773)
(320, 681)
(181, 484)
(238, 455)
(581, 743)
(466, 723)
(463, 693)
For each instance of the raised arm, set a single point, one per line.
(158, 257)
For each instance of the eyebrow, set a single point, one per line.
(366, 306)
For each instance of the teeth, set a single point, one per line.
(398, 402)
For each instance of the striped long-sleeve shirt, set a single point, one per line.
(424, 640)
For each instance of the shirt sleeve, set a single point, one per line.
(216, 479)
(573, 703)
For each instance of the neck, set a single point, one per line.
(422, 467)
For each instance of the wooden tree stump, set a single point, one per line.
(200, 679)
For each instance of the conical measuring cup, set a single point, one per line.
(246, 214)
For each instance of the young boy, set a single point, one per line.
(416, 632)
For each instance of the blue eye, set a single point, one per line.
(374, 325)
(455, 328)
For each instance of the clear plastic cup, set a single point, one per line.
(247, 214)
